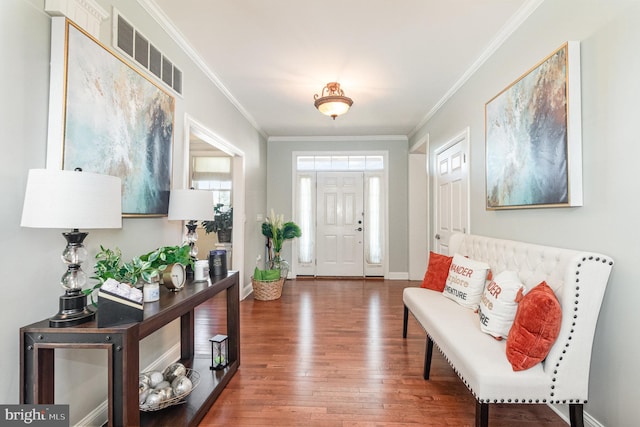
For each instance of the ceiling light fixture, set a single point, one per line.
(332, 102)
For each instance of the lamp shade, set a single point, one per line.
(71, 199)
(190, 205)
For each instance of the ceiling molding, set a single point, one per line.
(163, 20)
(401, 138)
(512, 25)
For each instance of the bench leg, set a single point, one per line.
(405, 321)
(482, 414)
(576, 414)
(427, 358)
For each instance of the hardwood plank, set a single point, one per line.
(330, 353)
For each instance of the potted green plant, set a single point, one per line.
(277, 231)
(146, 267)
(221, 224)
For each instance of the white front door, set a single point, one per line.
(451, 195)
(340, 216)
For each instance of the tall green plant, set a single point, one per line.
(277, 231)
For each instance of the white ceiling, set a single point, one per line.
(398, 60)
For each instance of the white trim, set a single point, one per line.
(563, 412)
(55, 130)
(165, 23)
(402, 138)
(192, 126)
(398, 275)
(85, 13)
(384, 173)
(512, 25)
(464, 138)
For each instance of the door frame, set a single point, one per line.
(462, 137)
(294, 199)
(194, 127)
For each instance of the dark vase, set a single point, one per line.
(224, 236)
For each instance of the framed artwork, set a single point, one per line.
(533, 137)
(115, 121)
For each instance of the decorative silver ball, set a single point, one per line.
(142, 387)
(181, 385)
(155, 378)
(142, 397)
(174, 370)
(153, 400)
(162, 384)
(166, 393)
(144, 378)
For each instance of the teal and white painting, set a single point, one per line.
(527, 139)
(117, 122)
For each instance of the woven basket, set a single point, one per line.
(267, 290)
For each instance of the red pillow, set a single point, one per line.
(437, 272)
(535, 328)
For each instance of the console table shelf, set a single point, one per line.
(38, 342)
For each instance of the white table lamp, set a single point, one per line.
(72, 200)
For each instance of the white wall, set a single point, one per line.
(610, 36)
(30, 258)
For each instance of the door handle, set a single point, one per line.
(437, 237)
(359, 229)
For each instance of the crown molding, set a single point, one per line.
(86, 13)
(163, 20)
(507, 30)
(401, 138)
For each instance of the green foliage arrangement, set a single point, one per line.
(146, 267)
(277, 231)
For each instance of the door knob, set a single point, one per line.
(437, 237)
(359, 229)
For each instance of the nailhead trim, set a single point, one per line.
(555, 372)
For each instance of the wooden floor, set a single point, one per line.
(330, 353)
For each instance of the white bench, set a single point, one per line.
(578, 279)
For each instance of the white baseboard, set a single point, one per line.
(99, 416)
(246, 291)
(563, 412)
(398, 275)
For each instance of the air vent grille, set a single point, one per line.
(138, 47)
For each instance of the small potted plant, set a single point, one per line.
(221, 224)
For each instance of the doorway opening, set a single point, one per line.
(340, 206)
(451, 190)
(211, 163)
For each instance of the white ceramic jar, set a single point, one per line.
(151, 292)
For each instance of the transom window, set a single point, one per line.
(340, 163)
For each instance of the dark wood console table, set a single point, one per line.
(38, 342)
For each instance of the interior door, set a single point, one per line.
(451, 192)
(340, 225)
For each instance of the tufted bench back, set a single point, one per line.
(534, 263)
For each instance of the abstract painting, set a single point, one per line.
(533, 147)
(117, 122)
